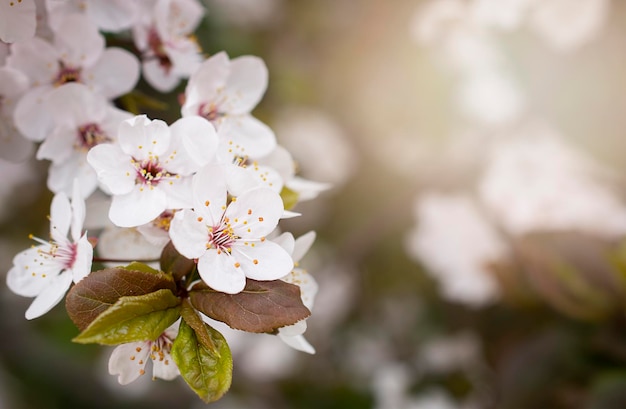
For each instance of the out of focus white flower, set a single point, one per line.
(17, 20)
(455, 242)
(490, 97)
(162, 33)
(447, 26)
(535, 181)
(568, 24)
(450, 353)
(120, 243)
(107, 15)
(82, 119)
(77, 54)
(318, 145)
(504, 14)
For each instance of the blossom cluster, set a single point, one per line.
(532, 185)
(205, 194)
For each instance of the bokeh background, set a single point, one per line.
(470, 253)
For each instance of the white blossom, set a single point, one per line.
(46, 271)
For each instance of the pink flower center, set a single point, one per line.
(90, 135)
(149, 172)
(222, 237)
(210, 112)
(156, 50)
(59, 254)
(66, 74)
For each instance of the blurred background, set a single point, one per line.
(471, 253)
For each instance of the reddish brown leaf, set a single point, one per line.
(263, 306)
(101, 289)
(174, 263)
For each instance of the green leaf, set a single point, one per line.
(192, 318)
(208, 372)
(263, 306)
(130, 319)
(98, 291)
(172, 262)
(290, 197)
(136, 266)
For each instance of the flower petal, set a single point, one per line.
(164, 368)
(218, 271)
(255, 213)
(60, 177)
(199, 141)
(140, 206)
(114, 74)
(297, 342)
(161, 78)
(142, 138)
(60, 217)
(302, 245)
(74, 104)
(209, 187)
(51, 295)
(78, 211)
(25, 278)
(17, 20)
(30, 116)
(206, 84)
(262, 260)
(189, 235)
(113, 168)
(84, 259)
(306, 282)
(246, 84)
(250, 137)
(78, 41)
(128, 361)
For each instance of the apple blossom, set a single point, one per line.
(292, 335)
(229, 239)
(46, 271)
(455, 242)
(163, 36)
(82, 120)
(225, 91)
(128, 361)
(77, 54)
(107, 15)
(148, 170)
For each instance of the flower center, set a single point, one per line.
(210, 112)
(161, 346)
(90, 135)
(64, 255)
(157, 50)
(149, 172)
(164, 220)
(66, 74)
(222, 237)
